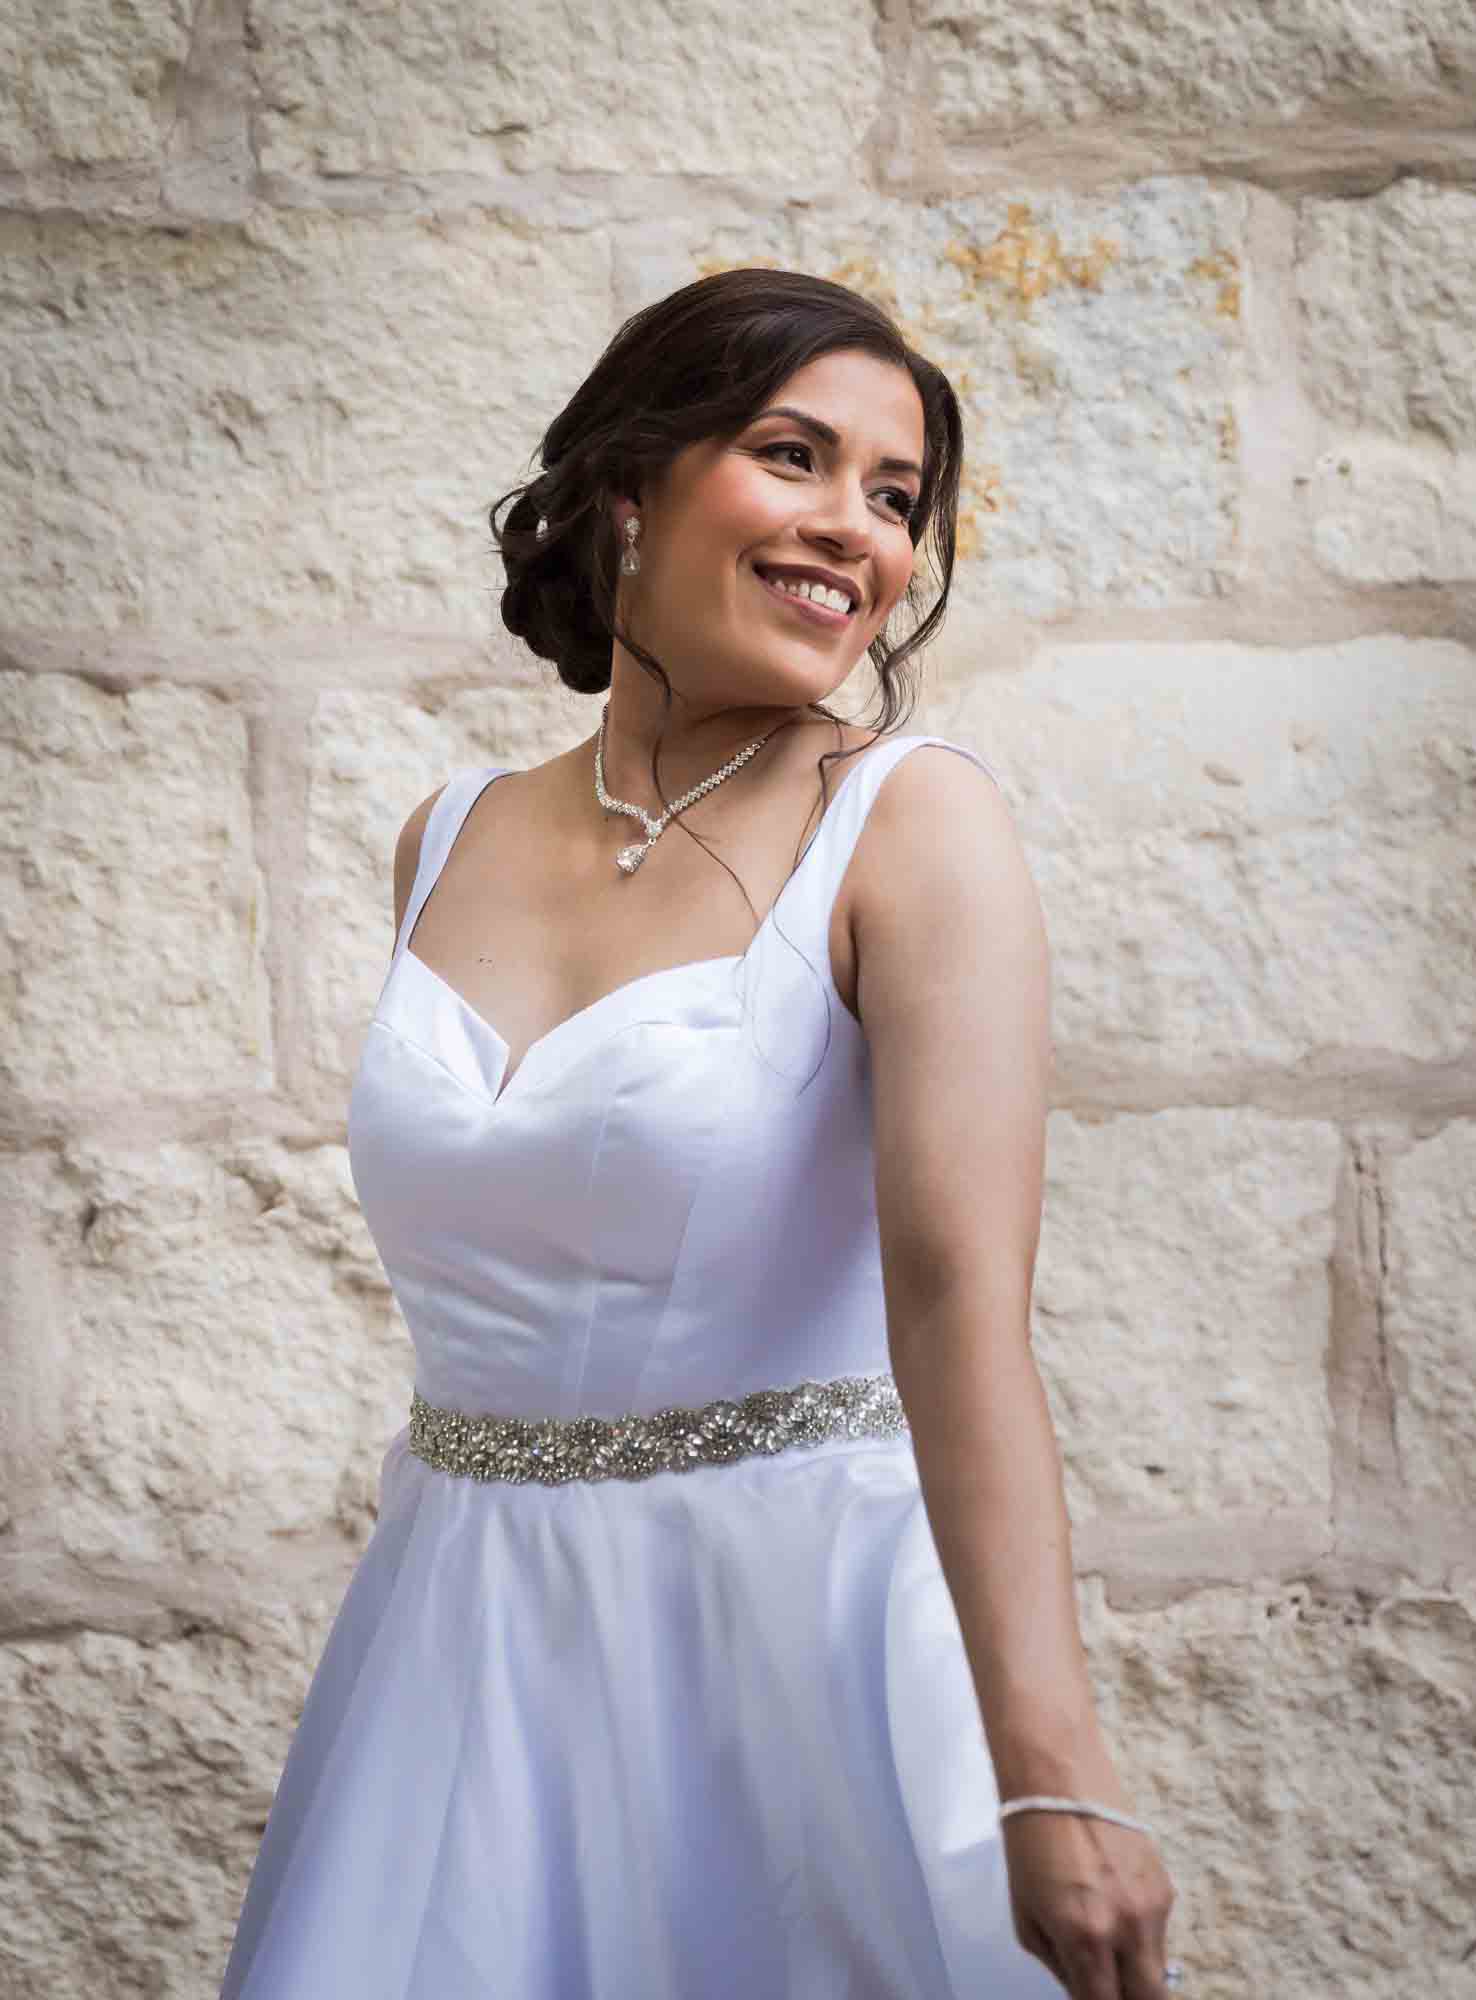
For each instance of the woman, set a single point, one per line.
(728, 1505)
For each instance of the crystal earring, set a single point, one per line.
(630, 561)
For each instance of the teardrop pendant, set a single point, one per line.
(630, 858)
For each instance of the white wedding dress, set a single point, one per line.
(699, 1735)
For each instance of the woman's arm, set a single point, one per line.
(953, 995)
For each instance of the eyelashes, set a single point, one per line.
(905, 511)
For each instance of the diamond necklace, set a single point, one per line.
(630, 858)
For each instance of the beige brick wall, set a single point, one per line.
(289, 292)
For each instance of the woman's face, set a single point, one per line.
(782, 497)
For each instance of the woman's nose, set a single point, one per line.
(842, 517)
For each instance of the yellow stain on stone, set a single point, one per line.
(980, 494)
(1027, 262)
(1229, 429)
(1222, 268)
(865, 275)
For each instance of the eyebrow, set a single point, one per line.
(827, 435)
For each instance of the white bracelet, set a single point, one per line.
(1087, 1807)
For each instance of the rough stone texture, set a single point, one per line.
(989, 70)
(305, 418)
(1387, 290)
(132, 911)
(33, 1347)
(135, 1783)
(428, 88)
(1247, 857)
(374, 759)
(1095, 346)
(1430, 1319)
(1182, 1310)
(1387, 293)
(1310, 1758)
(236, 1363)
(1390, 513)
(88, 80)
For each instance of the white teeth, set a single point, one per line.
(817, 593)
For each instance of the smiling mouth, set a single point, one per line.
(824, 614)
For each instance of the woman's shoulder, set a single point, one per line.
(411, 838)
(938, 813)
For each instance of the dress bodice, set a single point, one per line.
(670, 1200)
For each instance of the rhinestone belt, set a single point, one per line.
(553, 1449)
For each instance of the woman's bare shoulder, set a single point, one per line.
(532, 782)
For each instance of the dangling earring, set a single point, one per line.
(630, 560)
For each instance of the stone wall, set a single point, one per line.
(289, 292)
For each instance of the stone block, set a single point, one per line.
(237, 1362)
(1182, 1310)
(1430, 1314)
(132, 910)
(136, 1781)
(1309, 1759)
(1250, 859)
(1392, 513)
(33, 1343)
(420, 88)
(1387, 294)
(88, 80)
(302, 419)
(990, 72)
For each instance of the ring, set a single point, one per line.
(1173, 1975)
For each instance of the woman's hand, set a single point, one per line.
(1091, 1901)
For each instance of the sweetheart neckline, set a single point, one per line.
(626, 986)
(506, 1082)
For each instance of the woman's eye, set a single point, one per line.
(768, 450)
(904, 502)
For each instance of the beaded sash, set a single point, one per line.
(553, 1449)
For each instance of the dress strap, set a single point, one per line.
(875, 767)
(443, 822)
(841, 826)
(793, 942)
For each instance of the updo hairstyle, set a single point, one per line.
(700, 364)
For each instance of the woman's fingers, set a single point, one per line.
(1089, 1968)
(1142, 1948)
(1140, 1972)
(1080, 1954)
(1033, 1939)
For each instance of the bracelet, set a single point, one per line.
(1087, 1807)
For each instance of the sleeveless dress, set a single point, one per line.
(701, 1734)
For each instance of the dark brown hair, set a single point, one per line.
(696, 365)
